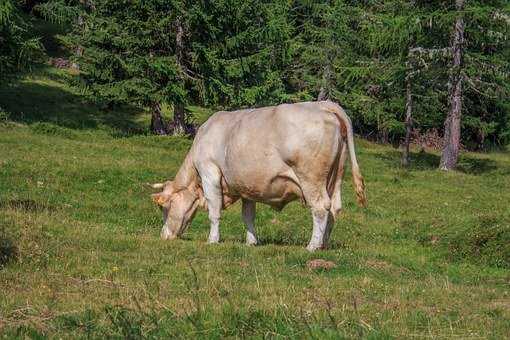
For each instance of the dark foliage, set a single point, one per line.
(232, 54)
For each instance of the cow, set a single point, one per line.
(272, 155)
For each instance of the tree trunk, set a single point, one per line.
(408, 122)
(451, 140)
(78, 51)
(324, 91)
(322, 94)
(179, 44)
(179, 124)
(29, 5)
(157, 123)
(88, 5)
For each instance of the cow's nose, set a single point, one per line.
(166, 234)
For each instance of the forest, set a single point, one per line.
(100, 97)
(421, 71)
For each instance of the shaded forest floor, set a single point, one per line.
(80, 254)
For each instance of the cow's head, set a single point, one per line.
(179, 205)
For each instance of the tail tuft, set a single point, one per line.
(359, 187)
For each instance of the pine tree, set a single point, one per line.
(130, 55)
(241, 51)
(17, 49)
(486, 74)
(323, 45)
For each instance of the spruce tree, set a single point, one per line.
(18, 49)
(241, 51)
(129, 55)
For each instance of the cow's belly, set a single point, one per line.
(267, 182)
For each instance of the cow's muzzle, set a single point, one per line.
(166, 234)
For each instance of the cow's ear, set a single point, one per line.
(160, 198)
(202, 203)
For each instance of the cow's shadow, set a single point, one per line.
(300, 242)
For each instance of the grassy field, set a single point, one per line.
(80, 254)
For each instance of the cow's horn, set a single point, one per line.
(157, 185)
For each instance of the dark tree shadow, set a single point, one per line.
(48, 33)
(8, 249)
(476, 166)
(26, 205)
(45, 94)
(418, 160)
(35, 101)
(428, 161)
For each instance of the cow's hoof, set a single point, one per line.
(312, 247)
(251, 240)
(167, 235)
(213, 239)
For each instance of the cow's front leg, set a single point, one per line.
(249, 221)
(214, 207)
(214, 233)
(212, 191)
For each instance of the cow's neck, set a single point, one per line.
(187, 176)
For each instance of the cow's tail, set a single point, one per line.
(346, 129)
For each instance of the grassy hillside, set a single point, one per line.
(80, 254)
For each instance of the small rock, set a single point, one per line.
(320, 264)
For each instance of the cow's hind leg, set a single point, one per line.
(211, 183)
(329, 229)
(335, 192)
(249, 221)
(320, 204)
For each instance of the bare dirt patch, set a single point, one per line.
(320, 264)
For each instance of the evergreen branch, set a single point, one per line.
(430, 52)
(58, 12)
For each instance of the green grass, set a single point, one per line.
(80, 253)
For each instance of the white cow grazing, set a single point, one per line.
(270, 155)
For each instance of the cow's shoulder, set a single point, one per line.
(216, 120)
